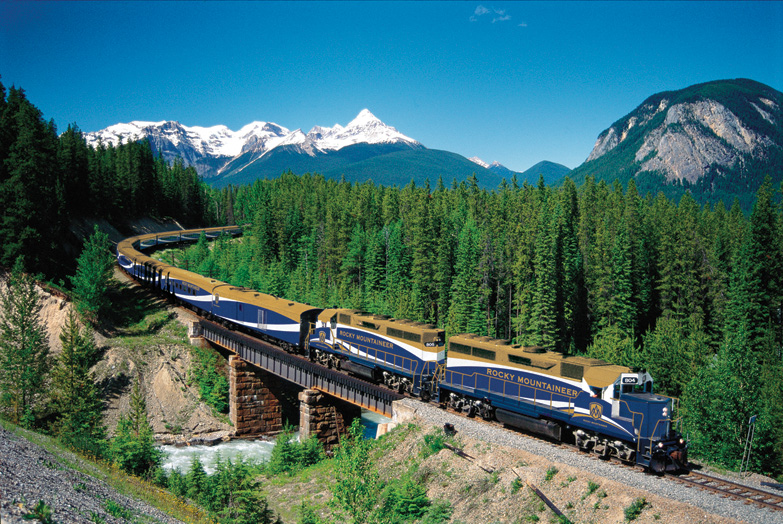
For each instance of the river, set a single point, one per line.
(256, 450)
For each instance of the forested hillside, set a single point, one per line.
(46, 180)
(691, 294)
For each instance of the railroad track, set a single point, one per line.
(727, 488)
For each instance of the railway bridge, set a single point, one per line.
(259, 372)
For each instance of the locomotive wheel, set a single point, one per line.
(657, 466)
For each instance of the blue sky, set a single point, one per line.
(516, 82)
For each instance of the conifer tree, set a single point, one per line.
(93, 275)
(545, 307)
(133, 447)
(465, 311)
(24, 348)
(74, 393)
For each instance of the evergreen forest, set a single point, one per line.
(691, 293)
(48, 179)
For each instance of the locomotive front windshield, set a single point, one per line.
(434, 339)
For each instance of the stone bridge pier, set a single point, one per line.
(260, 403)
(325, 416)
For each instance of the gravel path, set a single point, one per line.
(627, 476)
(29, 473)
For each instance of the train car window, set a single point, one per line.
(345, 319)
(574, 371)
(516, 359)
(459, 348)
(483, 353)
(413, 337)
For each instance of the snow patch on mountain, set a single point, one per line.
(196, 145)
(477, 160)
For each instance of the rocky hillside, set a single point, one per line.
(718, 139)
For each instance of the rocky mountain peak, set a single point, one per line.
(686, 134)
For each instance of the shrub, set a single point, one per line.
(635, 509)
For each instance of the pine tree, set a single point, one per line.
(465, 311)
(24, 348)
(133, 447)
(356, 489)
(93, 275)
(544, 330)
(74, 393)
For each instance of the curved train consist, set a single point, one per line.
(605, 408)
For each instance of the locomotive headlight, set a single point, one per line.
(682, 441)
(660, 445)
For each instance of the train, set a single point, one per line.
(602, 407)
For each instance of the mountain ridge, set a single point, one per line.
(716, 140)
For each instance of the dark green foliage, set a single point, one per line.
(41, 512)
(636, 280)
(231, 494)
(24, 348)
(289, 456)
(93, 274)
(46, 180)
(75, 395)
(433, 443)
(633, 511)
(133, 446)
(212, 385)
(404, 500)
(438, 512)
(720, 399)
(356, 489)
(30, 186)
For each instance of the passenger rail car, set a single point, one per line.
(605, 408)
(272, 318)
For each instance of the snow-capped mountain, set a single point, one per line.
(477, 160)
(219, 151)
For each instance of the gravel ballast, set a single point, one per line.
(630, 477)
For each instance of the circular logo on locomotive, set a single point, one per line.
(596, 410)
(322, 336)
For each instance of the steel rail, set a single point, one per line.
(728, 488)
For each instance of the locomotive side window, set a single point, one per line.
(483, 353)
(413, 337)
(516, 359)
(459, 348)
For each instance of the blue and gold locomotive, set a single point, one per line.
(604, 408)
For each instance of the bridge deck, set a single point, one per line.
(300, 370)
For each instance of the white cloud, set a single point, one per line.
(480, 10)
(499, 15)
